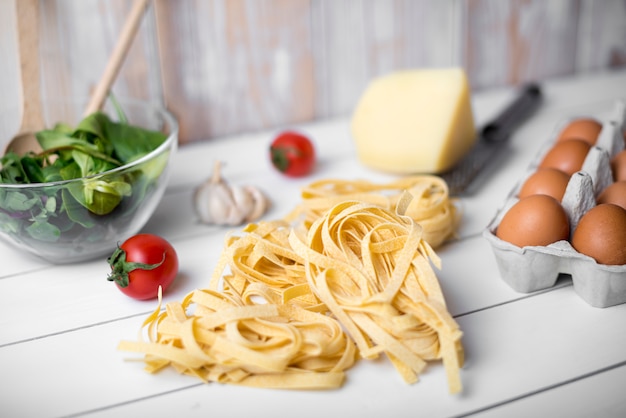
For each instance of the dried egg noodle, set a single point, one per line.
(294, 306)
(431, 206)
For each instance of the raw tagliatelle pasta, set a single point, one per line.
(262, 345)
(295, 305)
(431, 206)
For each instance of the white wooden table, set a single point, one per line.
(543, 354)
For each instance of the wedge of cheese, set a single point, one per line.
(414, 121)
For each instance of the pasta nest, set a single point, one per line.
(294, 305)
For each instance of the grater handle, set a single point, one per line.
(525, 104)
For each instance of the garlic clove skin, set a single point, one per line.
(203, 210)
(221, 204)
(243, 204)
(261, 204)
(216, 202)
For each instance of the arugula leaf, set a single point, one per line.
(12, 171)
(32, 169)
(130, 142)
(43, 231)
(75, 211)
(14, 201)
(9, 224)
(93, 124)
(99, 196)
(64, 145)
(96, 145)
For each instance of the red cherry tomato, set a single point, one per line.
(143, 263)
(292, 154)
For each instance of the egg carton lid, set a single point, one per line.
(534, 268)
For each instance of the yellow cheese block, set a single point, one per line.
(415, 121)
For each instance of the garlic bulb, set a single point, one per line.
(217, 202)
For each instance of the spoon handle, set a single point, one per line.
(28, 44)
(117, 57)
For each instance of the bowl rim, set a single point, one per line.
(172, 137)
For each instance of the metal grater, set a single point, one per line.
(491, 138)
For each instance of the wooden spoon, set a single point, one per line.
(32, 121)
(28, 44)
(117, 57)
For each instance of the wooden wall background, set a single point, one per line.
(225, 67)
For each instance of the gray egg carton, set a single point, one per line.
(534, 268)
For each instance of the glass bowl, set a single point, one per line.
(53, 221)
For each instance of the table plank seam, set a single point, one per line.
(543, 389)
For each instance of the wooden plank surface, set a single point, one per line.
(510, 42)
(77, 40)
(231, 66)
(227, 67)
(527, 354)
(355, 41)
(601, 35)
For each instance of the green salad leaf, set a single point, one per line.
(96, 145)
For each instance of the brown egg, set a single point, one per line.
(534, 220)
(587, 129)
(600, 234)
(549, 181)
(567, 155)
(614, 193)
(618, 166)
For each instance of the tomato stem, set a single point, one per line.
(280, 159)
(120, 268)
